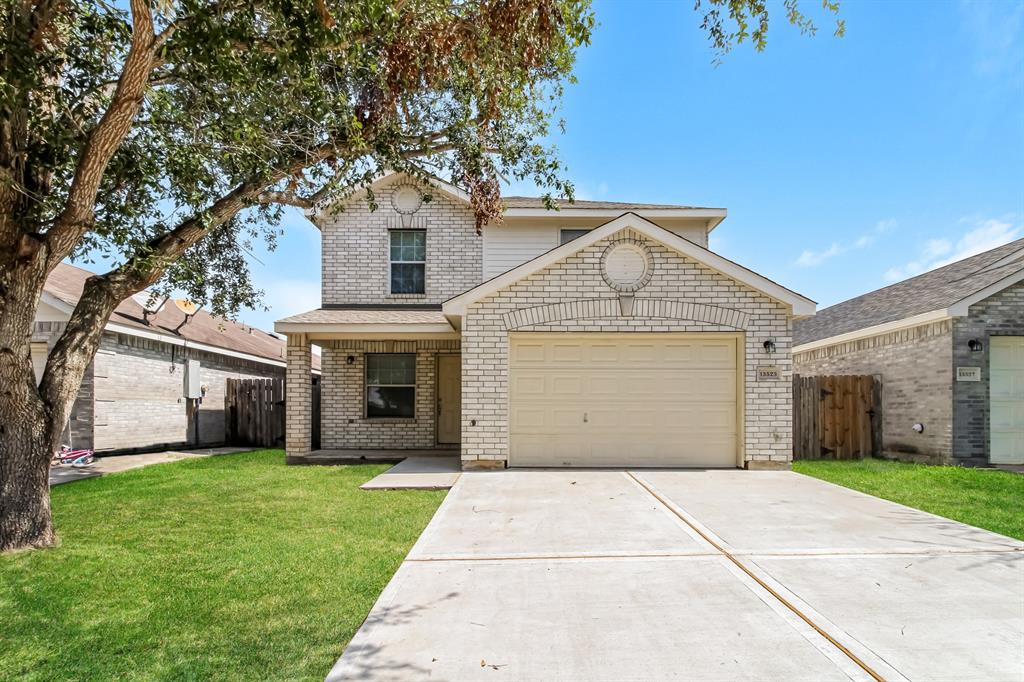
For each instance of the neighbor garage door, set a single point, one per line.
(630, 400)
(1007, 396)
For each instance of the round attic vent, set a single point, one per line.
(626, 265)
(406, 199)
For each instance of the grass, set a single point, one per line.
(983, 498)
(232, 567)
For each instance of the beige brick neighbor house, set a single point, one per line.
(949, 348)
(601, 334)
(158, 379)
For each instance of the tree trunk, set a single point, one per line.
(25, 454)
(25, 421)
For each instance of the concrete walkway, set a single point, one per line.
(700, 575)
(418, 473)
(66, 473)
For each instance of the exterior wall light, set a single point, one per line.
(975, 345)
(769, 346)
(919, 428)
(350, 359)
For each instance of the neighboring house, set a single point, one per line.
(602, 334)
(133, 394)
(949, 346)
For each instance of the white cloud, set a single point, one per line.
(935, 248)
(886, 225)
(935, 253)
(810, 259)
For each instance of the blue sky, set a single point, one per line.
(845, 164)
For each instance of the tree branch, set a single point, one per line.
(285, 198)
(104, 139)
(102, 293)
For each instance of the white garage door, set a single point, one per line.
(1007, 399)
(630, 400)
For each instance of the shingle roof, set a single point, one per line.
(67, 281)
(367, 316)
(934, 290)
(538, 202)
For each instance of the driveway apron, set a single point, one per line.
(691, 575)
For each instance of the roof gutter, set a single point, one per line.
(877, 330)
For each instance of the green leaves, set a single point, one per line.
(732, 22)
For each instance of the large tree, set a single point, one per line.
(168, 134)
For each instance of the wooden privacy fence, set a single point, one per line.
(254, 412)
(836, 417)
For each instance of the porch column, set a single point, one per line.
(298, 397)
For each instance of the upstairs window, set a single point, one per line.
(391, 386)
(568, 235)
(408, 261)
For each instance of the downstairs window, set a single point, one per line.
(391, 385)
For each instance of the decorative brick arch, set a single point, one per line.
(653, 308)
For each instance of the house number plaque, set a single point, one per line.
(968, 373)
(768, 373)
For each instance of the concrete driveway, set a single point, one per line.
(692, 575)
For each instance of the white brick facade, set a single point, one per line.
(571, 295)
(355, 256)
(343, 419)
(298, 397)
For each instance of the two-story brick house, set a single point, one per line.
(601, 334)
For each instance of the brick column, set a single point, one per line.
(298, 397)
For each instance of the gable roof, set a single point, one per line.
(944, 292)
(520, 206)
(456, 307)
(64, 287)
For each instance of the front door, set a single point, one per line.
(1006, 364)
(449, 399)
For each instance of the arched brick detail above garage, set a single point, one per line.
(651, 308)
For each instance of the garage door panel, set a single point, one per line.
(564, 418)
(608, 385)
(605, 353)
(528, 385)
(526, 352)
(529, 420)
(566, 385)
(619, 400)
(718, 355)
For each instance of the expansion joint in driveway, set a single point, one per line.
(753, 576)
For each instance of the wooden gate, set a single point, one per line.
(254, 412)
(836, 417)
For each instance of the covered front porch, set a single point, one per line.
(391, 385)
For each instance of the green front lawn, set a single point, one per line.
(983, 498)
(231, 567)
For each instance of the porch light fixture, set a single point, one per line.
(975, 345)
(769, 346)
(919, 428)
(350, 359)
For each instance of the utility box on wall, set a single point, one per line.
(193, 387)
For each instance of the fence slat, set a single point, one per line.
(836, 416)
